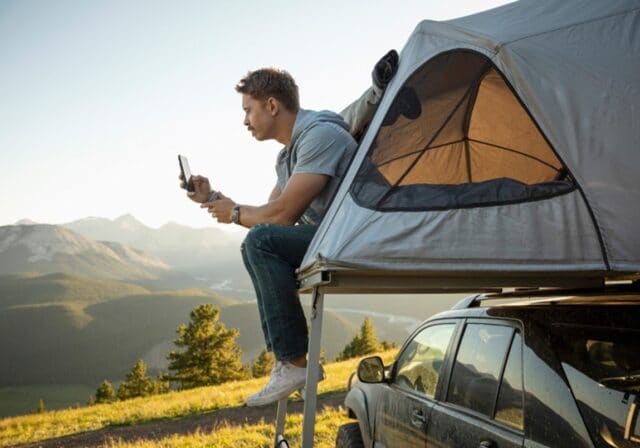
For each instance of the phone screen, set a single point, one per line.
(186, 171)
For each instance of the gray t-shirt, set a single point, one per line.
(320, 144)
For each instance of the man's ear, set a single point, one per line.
(273, 106)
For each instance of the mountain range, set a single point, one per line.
(45, 248)
(209, 254)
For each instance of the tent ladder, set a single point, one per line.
(313, 370)
(311, 387)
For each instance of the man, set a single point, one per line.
(317, 151)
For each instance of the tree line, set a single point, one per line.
(207, 354)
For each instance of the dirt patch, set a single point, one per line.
(160, 429)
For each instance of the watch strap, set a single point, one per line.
(235, 215)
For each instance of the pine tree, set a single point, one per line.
(369, 341)
(41, 407)
(363, 343)
(162, 384)
(105, 393)
(137, 383)
(263, 364)
(211, 355)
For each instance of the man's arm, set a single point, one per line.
(286, 208)
(275, 193)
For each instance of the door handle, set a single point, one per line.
(418, 418)
(487, 444)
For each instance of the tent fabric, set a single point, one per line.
(521, 156)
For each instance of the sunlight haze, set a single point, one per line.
(99, 97)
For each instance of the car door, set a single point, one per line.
(405, 406)
(482, 405)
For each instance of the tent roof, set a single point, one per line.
(575, 66)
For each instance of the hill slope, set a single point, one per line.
(170, 410)
(64, 329)
(60, 329)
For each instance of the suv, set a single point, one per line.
(534, 369)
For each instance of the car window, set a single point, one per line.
(476, 372)
(602, 366)
(418, 367)
(509, 405)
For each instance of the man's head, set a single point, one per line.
(269, 100)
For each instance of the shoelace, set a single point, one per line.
(276, 373)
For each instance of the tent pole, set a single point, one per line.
(280, 416)
(313, 370)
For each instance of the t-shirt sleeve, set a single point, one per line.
(320, 150)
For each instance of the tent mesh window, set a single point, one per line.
(457, 136)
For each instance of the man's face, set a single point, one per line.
(258, 118)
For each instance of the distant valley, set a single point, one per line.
(82, 302)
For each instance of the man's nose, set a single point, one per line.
(246, 120)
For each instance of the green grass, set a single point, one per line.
(250, 436)
(37, 427)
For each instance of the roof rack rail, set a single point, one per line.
(534, 292)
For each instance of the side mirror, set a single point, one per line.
(371, 370)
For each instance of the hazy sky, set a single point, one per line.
(97, 98)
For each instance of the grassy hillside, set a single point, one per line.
(63, 329)
(61, 335)
(31, 428)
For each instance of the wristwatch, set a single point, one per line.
(235, 215)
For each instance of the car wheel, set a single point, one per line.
(349, 436)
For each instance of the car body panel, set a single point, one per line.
(551, 415)
(401, 419)
(454, 426)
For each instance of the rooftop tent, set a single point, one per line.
(504, 152)
(508, 142)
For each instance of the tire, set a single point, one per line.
(349, 436)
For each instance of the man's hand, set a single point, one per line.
(220, 209)
(201, 188)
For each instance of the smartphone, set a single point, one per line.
(185, 171)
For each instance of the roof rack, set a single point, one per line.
(613, 287)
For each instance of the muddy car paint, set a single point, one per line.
(551, 415)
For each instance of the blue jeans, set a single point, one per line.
(271, 254)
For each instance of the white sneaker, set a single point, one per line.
(285, 379)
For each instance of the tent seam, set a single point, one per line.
(599, 231)
(494, 49)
